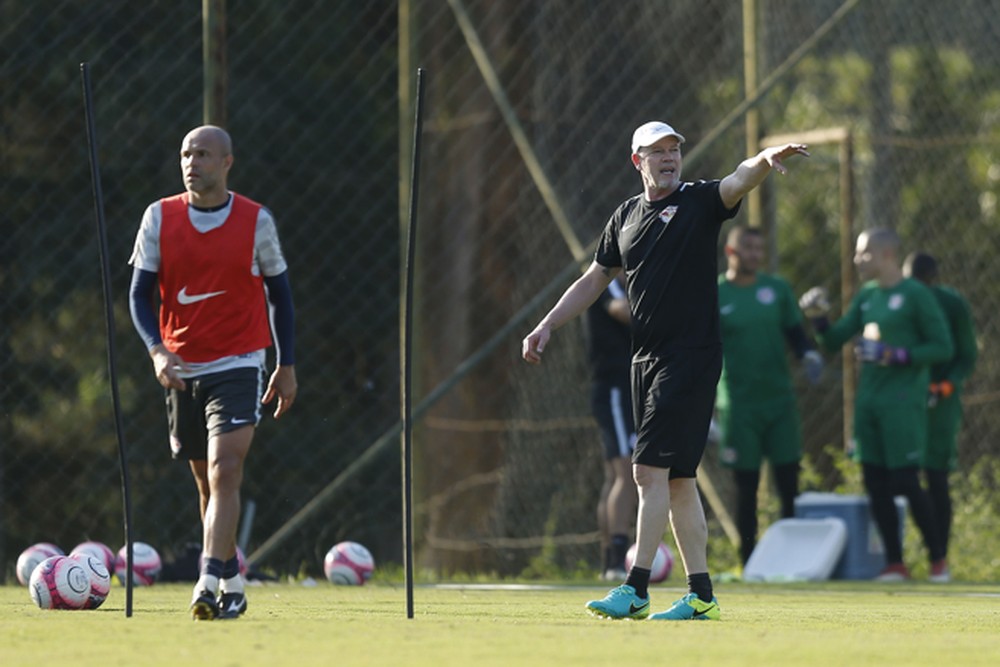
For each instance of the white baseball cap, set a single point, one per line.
(649, 133)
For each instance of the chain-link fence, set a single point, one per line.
(530, 107)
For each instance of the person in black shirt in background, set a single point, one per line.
(610, 354)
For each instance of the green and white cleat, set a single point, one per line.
(620, 602)
(690, 608)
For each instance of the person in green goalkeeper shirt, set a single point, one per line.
(756, 404)
(944, 411)
(903, 332)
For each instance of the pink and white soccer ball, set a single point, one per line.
(663, 562)
(100, 578)
(348, 564)
(98, 550)
(32, 556)
(146, 564)
(59, 582)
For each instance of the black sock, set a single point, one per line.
(231, 568)
(937, 488)
(619, 547)
(701, 585)
(212, 567)
(747, 482)
(638, 578)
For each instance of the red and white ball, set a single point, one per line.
(59, 582)
(663, 562)
(348, 564)
(98, 550)
(100, 579)
(32, 556)
(146, 564)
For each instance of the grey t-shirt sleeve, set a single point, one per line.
(146, 252)
(268, 258)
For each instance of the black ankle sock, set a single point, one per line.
(701, 585)
(638, 578)
(212, 566)
(231, 568)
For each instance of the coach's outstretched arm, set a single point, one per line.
(576, 299)
(751, 172)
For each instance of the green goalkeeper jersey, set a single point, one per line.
(905, 315)
(755, 319)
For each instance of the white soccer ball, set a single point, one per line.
(100, 579)
(348, 564)
(59, 582)
(146, 564)
(663, 562)
(98, 550)
(32, 556)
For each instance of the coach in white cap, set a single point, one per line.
(666, 241)
(651, 132)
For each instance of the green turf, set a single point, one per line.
(834, 624)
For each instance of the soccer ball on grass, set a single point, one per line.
(32, 556)
(100, 579)
(663, 562)
(348, 564)
(98, 550)
(146, 564)
(59, 582)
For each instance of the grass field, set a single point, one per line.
(812, 625)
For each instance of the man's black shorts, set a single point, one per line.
(212, 404)
(673, 396)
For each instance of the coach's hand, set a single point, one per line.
(166, 365)
(283, 385)
(535, 342)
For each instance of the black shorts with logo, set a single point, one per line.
(673, 398)
(212, 404)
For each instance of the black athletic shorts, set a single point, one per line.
(673, 396)
(611, 405)
(212, 404)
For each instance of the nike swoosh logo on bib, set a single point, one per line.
(186, 299)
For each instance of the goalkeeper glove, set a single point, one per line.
(815, 303)
(939, 391)
(877, 352)
(812, 361)
(816, 306)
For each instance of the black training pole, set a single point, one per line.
(405, 360)
(102, 237)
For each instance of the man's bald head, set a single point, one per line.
(212, 134)
(882, 239)
(206, 157)
(877, 255)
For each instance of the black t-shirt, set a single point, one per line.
(609, 340)
(668, 250)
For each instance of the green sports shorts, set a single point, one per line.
(752, 432)
(890, 436)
